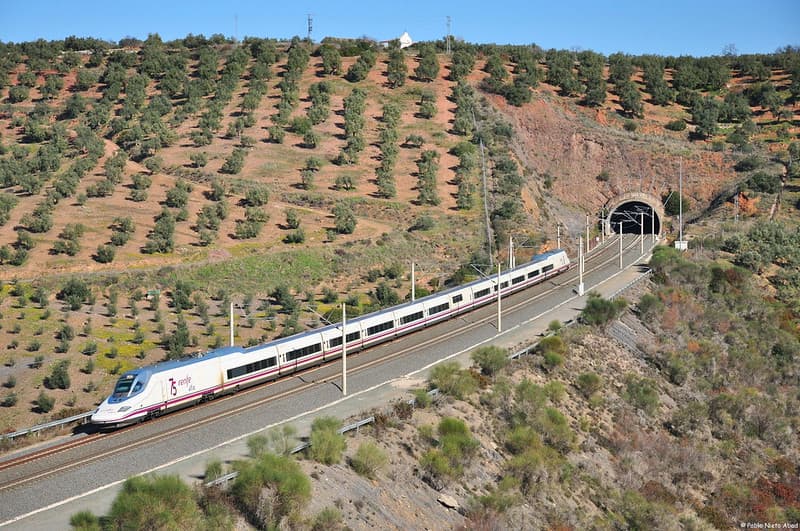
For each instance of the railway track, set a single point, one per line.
(97, 445)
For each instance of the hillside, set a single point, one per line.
(171, 179)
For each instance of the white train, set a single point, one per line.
(150, 391)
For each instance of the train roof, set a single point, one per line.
(448, 291)
(202, 356)
(185, 361)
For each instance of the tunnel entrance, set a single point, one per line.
(630, 216)
(628, 208)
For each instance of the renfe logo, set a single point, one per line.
(185, 382)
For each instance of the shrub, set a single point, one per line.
(600, 311)
(450, 379)
(368, 459)
(676, 125)
(105, 253)
(421, 398)
(269, 489)
(213, 470)
(75, 293)
(424, 222)
(257, 445)
(327, 444)
(589, 383)
(257, 196)
(296, 236)
(155, 502)
(641, 393)
(328, 518)
(764, 182)
(10, 400)
(59, 376)
(44, 402)
(490, 359)
(89, 348)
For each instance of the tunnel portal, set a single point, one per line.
(627, 212)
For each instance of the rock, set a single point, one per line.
(448, 501)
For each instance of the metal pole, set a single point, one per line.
(580, 266)
(413, 282)
(620, 245)
(499, 322)
(558, 236)
(510, 251)
(641, 232)
(587, 233)
(344, 349)
(653, 224)
(231, 326)
(680, 201)
(602, 229)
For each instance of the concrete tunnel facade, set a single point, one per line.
(630, 210)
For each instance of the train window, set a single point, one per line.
(458, 298)
(251, 367)
(547, 268)
(336, 341)
(372, 330)
(481, 293)
(410, 318)
(503, 285)
(534, 274)
(439, 308)
(301, 352)
(517, 280)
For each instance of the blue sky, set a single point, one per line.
(677, 27)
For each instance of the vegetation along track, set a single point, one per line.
(599, 259)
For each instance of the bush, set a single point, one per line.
(155, 502)
(10, 400)
(421, 398)
(213, 470)
(424, 222)
(676, 125)
(589, 383)
(490, 359)
(45, 403)
(105, 253)
(600, 311)
(641, 393)
(368, 459)
(269, 489)
(451, 379)
(296, 236)
(764, 182)
(59, 376)
(327, 444)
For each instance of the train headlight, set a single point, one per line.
(123, 409)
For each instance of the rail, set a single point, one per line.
(47, 425)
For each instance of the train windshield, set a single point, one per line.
(123, 386)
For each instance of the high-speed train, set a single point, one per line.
(150, 391)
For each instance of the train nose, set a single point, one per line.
(104, 415)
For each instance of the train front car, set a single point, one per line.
(126, 404)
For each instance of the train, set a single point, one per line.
(150, 391)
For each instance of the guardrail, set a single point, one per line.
(632, 283)
(532, 346)
(47, 425)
